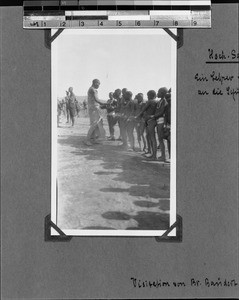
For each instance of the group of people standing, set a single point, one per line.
(151, 119)
(70, 107)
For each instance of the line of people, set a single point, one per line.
(146, 118)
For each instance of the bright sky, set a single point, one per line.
(138, 60)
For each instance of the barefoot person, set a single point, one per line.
(149, 111)
(96, 121)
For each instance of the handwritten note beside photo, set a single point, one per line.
(221, 83)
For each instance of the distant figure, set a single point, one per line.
(63, 104)
(67, 107)
(77, 105)
(59, 108)
(96, 121)
(85, 107)
(71, 105)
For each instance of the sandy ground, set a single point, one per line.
(103, 187)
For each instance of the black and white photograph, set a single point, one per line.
(119, 149)
(114, 132)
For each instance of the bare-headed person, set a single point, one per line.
(124, 91)
(117, 96)
(140, 123)
(96, 129)
(71, 105)
(167, 121)
(123, 119)
(129, 118)
(59, 110)
(110, 108)
(159, 117)
(85, 107)
(77, 105)
(149, 111)
(67, 107)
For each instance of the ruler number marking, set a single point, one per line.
(34, 24)
(154, 21)
(63, 24)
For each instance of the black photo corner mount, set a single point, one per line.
(49, 224)
(179, 229)
(50, 38)
(54, 238)
(178, 38)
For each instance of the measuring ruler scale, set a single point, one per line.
(179, 16)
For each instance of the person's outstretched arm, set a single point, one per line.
(143, 110)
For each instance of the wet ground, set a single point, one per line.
(103, 187)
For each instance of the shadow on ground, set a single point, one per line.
(161, 204)
(98, 228)
(147, 180)
(146, 220)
